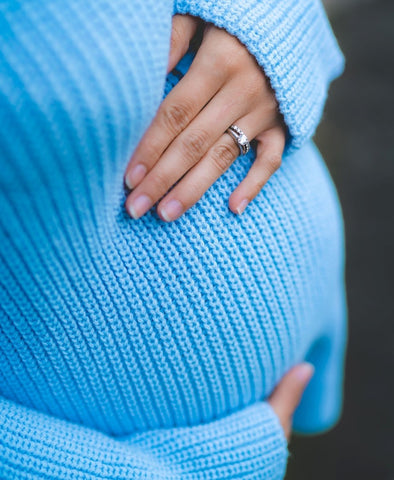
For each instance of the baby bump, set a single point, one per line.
(221, 305)
(123, 324)
(133, 325)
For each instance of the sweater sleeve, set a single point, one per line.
(36, 446)
(292, 41)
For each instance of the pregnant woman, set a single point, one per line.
(143, 348)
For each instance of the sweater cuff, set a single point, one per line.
(34, 445)
(249, 441)
(292, 41)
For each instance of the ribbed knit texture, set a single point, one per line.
(139, 349)
(292, 41)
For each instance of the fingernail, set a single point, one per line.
(241, 207)
(135, 176)
(305, 372)
(171, 210)
(139, 206)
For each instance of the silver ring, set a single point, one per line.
(240, 138)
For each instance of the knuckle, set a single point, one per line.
(176, 117)
(275, 161)
(258, 184)
(152, 150)
(192, 193)
(231, 62)
(237, 59)
(217, 60)
(271, 164)
(195, 144)
(253, 91)
(159, 182)
(223, 156)
(254, 87)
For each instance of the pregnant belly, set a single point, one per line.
(225, 304)
(126, 325)
(140, 324)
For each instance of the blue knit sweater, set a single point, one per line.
(140, 349)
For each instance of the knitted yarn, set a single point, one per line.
(141, 349)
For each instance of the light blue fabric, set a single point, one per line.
(139, 349)
(293, 42)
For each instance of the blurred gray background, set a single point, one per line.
(356, 138)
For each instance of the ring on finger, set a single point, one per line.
(240, 139)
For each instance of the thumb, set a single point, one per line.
(183, 29)
(287, 394)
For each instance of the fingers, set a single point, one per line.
(287, 395)
(183, 29)
(197, 181)
(208, 76)
(223, 83)
(271, 144)
(184, 153)
(176, 112)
